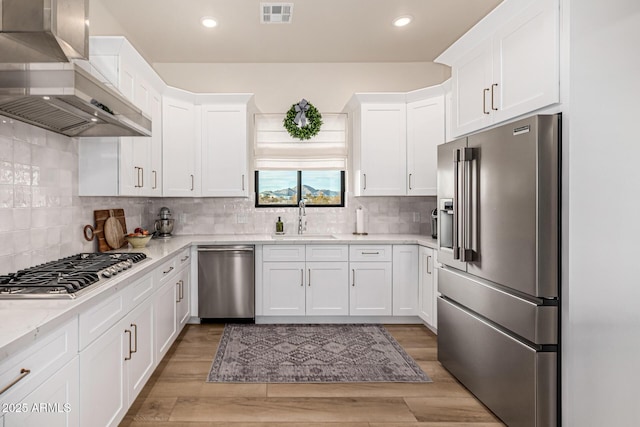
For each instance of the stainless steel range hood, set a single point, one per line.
(38, 88)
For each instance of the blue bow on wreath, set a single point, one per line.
(301, 108)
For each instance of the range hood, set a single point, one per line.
(38, 84)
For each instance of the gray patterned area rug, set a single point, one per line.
(311, 354)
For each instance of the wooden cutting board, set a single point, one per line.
(100, 217)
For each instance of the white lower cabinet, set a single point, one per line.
(428, 286)
(311, 280)
(166, 327)
(371, 280)
(405, 280)
(327, 293)
(284, 290)
(371, 292)
(115, 367)
(55, 403)
(171, 304)
(40, 382)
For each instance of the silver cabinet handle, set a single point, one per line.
(126, 331)
(370, 253)
(181, 290)
(242, 182)
(168, 271)
(155, 180)
(365, 181)
(178, 292)
(192, 183)
(142, 177)
(137, 170)
(353, 277)
(135, 341)
(309, 283)
(184, 259)
(428, 260)
(410, 181)
(493, 86)
(302, 277)
(23, 373)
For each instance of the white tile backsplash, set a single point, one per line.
(42, 216)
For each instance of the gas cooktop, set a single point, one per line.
(66, 277)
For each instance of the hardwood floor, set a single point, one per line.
(178, 396)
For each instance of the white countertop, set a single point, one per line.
(24, 320)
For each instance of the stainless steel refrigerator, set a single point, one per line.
(498, 238)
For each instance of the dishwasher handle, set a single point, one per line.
(225, 249)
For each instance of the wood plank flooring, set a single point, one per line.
(178, 396)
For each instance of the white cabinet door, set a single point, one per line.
(405, 280)
(371, 289)
(427, 291)
(425, 131)
(103, 400)
(283, 288)
(383, 151)
(153, 181)
(55, 403)
(471, 91)
(142, 362)
(526, 61)
(224, 150)
(165, 318)
(182, 299)
(327, 291)
(179, 148)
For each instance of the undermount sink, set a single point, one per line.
(306, 237)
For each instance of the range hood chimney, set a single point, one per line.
(44, 30)
(40, 86)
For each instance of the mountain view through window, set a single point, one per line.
(285, 188)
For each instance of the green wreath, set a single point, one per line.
(303, 120)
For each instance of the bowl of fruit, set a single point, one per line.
(139, 238)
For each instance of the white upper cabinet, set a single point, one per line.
(506, 66)
(394, 142)
(126, 166)
(383, 149)
(180, 148)
(425, 131)
(225, 137)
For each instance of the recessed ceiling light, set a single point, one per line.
(401, 21)
(208, 22)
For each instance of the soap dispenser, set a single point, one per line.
(279, 226)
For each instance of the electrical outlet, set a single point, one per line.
(242, 218)
(416, 217)
(182, 218)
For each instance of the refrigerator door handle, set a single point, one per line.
(466, 252)
(456, 162)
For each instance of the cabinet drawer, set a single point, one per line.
(43, 358)
(283, 253)
(166, 270)
(139, 290)
(327, 253)
(184, 258)
(99, 318)
(370, 253)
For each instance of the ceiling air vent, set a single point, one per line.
(276, 13)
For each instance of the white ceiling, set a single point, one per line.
(167, 31)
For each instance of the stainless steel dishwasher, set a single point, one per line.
(226, 282)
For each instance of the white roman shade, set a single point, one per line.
(275, 149)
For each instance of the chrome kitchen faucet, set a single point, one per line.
(302, 211)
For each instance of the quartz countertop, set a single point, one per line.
(24, 320)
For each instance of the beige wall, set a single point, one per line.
(328, 86)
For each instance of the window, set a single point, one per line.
(285, 188)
